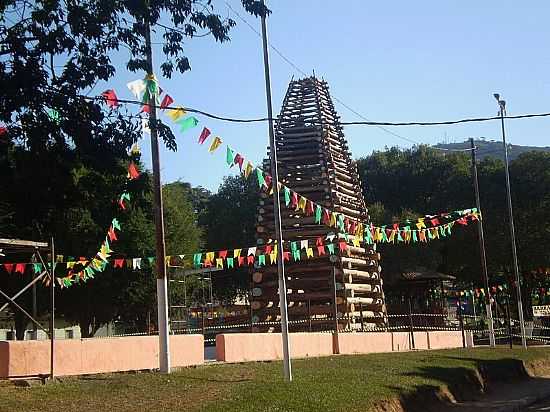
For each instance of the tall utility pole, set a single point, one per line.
(502, 110)
(162, 284)
(277, 209)
(488, 307)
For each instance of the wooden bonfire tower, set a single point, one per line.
(314, 161)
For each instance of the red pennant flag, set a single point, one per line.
(3, 131)
(240, 160)
(294, 200)
(112, 234)
(119, 263)
(321, 250)
(121, 204)
(286, 256)
(110, 98)
(353, 227)
(20, 268)
(240, 260)
(268, 249)
(167, 101)
(133, 172)
(396, 226)
(434, 222)
(462, 221)
(310, 209)
(347, 224)
(268, 179)
(326, 217)
(8, 267)
(319, 241)
(342, 246)
(250, 260)
(222, 254)
(204, 135)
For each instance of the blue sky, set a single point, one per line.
(389, 61)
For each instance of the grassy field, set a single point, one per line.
(337, 383)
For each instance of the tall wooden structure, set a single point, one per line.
(314, 161)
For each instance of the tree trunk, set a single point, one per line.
(21, 323)
(84, 322)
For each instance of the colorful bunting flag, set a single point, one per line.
(176, 114)
(215, 144)
(204, 135)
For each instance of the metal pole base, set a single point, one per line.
(164, 341)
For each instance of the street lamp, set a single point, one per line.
(502, 112)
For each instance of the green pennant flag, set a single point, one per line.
(286, 191)
(151, 260)
(293, 246)
(318, 213)
(187, 123)
(442, 231)
(125, 196)
(197, 258)
(399, 237)
(296, 255)
(430, 236)
(260, 175)
(54, 115)
(230, 262)
(67, 282)
(330, 248)
(230, 157)
(115, 224)
(341, 222)
(261, 260)
(368, 236)
(384, 234)
(414, 237)
(89, 272)
(449, 226)
(37, 267)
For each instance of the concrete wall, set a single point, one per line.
(245, 347)
(89, 356)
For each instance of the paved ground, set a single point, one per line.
(516, 396)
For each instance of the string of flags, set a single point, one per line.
(223, 259)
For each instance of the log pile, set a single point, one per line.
(314, 161)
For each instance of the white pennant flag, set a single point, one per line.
(304, 244)
(137, 87)
(251, 251)
(136, 263)
(330, 237)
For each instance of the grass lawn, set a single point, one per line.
(336, 383)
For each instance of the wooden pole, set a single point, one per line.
(162, 284)
(287, 368)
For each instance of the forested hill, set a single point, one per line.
(493, 148)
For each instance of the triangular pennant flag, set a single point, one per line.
(204, 135)
(261, 260)
(330, 248)
(136, 263)
(273, 257)
(112, 234)
(318, 213)
(237, 252)
(215, 144)
(137, 87)
(219, 263)
(330, 237)
(302, 204)
(222, 254)
(248, 169)
(240, 260)
(230, 263)
(268, 180)
(133, 172)
(251, 251)
(304, 244)
(286, 192)
(286, 256)
(239, 160)
(296, 255)
(342, 246)
(176, 114)
(20, 268)
(110, 98)
(250, 260)
(309, 252)
(187, 123)
(294, 200)
(37, 267)
(210, 256)
(167, 101)
(230, 157)
(197, 258)
(260, 176)
(268, 249)
(321, 250)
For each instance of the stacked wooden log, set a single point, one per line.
(314, 161)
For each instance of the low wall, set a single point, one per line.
(245, 347)
(90, 356)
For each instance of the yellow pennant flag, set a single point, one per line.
(356, 242)
(219, 263)
(215, 144)
(176, 114)
(309, 252)
(210, 256)
(332, 222)
(302, 204)
(248, 169)
(70, 265)
(237, 253)
(273, 257)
